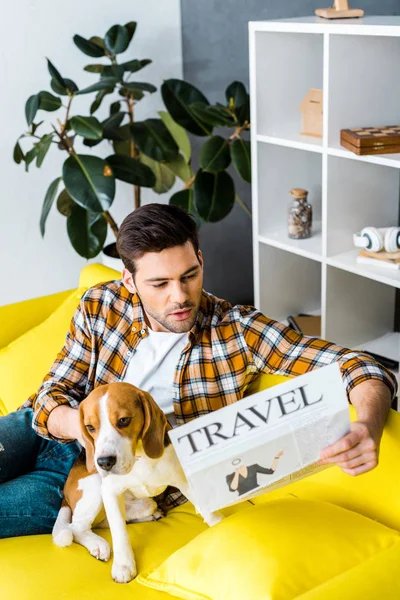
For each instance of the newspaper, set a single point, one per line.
(263, 441)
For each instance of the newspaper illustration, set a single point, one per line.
(263, 441)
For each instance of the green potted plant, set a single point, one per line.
(150, 153)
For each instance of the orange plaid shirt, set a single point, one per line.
(228, 347)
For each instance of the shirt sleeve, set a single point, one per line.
(278, 349)
(265, 470)
(66, 381)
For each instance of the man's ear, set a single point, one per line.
(89, 442)
(128, 282)
(155, 423)
(200, 257)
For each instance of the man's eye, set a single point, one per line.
(160, 285)
(190, 276)
(90, 428)
(123, 422)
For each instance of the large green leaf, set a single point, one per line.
(214, 154)
(30, 156)
(131, 170)
(98, 100)
(88, 127)
(241, 158)
(236, 93)
(64, 203)
(96, 68)
(18, 154)
(31, 108)
(111, 127)
(153, 139)
(216, 116)
(131, 28)
(89, 181)
(132, 66)
(88, 47)
(55, 74)
(43, 147)
(48, 203)
(177, 96)
(69, 88)
(135, 94)
(178, 133)
(164, 178)
(180, 168)
(214, 195)
(117, 39)
(113, 71)
(49, 102)
(184, 199)
(141, 86)
(103, 84)
(124, 145)
(87, 231)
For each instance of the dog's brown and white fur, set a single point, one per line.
(129, 459)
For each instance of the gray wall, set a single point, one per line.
(215, 52)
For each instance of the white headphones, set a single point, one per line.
(375, 239)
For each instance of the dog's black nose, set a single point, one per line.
(106, 462)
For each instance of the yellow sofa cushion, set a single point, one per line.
(95, 273)
(275, 551)
(25, 362)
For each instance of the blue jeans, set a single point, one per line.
(32, 476)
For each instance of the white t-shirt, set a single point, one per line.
(152, 366)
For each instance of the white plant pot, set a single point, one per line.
(111, 262)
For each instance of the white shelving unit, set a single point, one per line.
(357, 64)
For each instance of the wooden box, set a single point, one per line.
(371, 140)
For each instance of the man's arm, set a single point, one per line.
(370, 386)
(55, 403)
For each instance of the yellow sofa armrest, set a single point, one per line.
(19, 317)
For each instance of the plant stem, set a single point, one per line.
(239, 130)
(134, 153)
(189, 182)
(111, 222)
(243, 205)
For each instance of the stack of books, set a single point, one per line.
(386, 260)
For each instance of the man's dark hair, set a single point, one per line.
(153, 228)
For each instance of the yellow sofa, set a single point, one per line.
(340, 534)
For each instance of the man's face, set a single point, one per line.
(169, 285)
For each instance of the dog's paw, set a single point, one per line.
(100, 549)
(124, 572)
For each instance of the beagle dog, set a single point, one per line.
(129, 459)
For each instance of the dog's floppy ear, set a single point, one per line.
(155, 423)
(89, 442)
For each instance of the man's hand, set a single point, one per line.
(355, 453)
(64, 423)
(358, 451)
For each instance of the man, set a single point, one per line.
(158, 329)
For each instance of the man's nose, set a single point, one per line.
(106, 462)
(179, 294)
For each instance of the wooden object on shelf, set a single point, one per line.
(387, 260)
(371, 140)
(306, 324)
(339, 10)
(311, 108)
(382, 255)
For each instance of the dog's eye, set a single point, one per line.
(123, 422)
(90, 428)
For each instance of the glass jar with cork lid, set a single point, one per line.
(299, 215)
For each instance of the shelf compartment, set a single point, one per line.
(280, 169)
(288, 65)
(364, 83)
(280, 271)
(358, 195)
(347, 262)
(309, 248)
(358, 310)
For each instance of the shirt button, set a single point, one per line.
(133, 328)
(142, 331)
(129, 353)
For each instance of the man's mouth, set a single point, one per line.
(181, 315)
